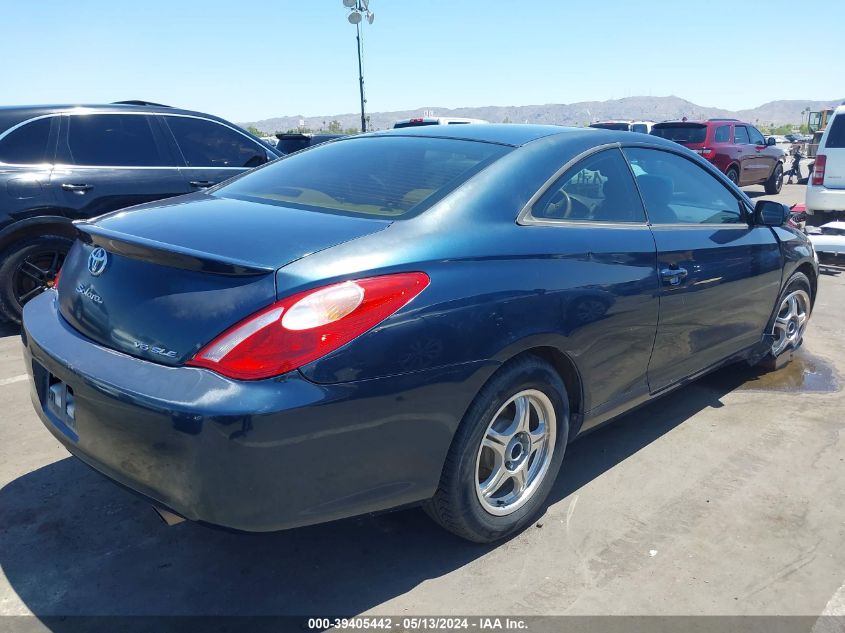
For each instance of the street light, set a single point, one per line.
(359, 10)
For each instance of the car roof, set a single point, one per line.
(12, 115)
(513, 134)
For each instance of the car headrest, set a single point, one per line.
(656, 189)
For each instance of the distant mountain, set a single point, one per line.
(647, 108)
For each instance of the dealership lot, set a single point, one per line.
(722, 498)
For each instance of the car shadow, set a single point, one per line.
(72, 543)
(8, 328)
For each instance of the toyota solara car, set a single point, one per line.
(419, 316)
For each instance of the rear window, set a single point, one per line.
(642, 128)
(681, 132)
(836, 135)
(369, 176)
(291, 145)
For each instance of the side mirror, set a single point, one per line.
(770, 213)
(771, 141)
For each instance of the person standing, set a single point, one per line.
(795, 169)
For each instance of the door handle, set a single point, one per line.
(673, 276)
(201, 184)
(76, 188)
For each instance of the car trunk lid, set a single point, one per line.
(159, 282)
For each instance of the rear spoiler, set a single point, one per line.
(167, 254)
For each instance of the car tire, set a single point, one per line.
(20, 279)
(461, 504)
(733, 175)
(775, 182)
(794, 307)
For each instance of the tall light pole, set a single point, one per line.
(358, 10)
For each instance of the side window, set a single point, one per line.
(124, 140)
(677, 191)
(598, 189)
(27, 145)
(208, 144)
(755, 136)
(722, 134)
(741, 135)
(836, 133)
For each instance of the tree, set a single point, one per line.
(335, 127)
(507, 119)
(255, 131)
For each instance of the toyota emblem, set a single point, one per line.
(97, 261)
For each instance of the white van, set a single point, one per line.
(826, 187)
(435, 120)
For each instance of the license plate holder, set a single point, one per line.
(61, 402)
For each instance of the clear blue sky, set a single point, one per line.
(255, 59)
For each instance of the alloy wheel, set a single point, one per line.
(792, 317)
(515, 452)
(36, 273)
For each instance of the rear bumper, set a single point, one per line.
(256, 456)
(824, 199)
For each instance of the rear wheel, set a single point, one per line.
(27, 269)
(733, 174)
(506, 453)
(793, 314)
(775, 182)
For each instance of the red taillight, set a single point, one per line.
(304, 327)
(818, 169)
(55, 282)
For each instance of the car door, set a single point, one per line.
(765, 157)
(602, 276)
(107, 161)
(719, 275)
(27, 153)
(212, 152)
(742, 142)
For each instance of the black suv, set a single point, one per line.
(62, 163)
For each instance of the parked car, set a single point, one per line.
(825, 197)
(415, 316)
(64, 163)
(737, 149)
(643, 127)
(435, 120)
(291, 142)
(620, 126)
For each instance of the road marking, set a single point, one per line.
(571, 511)
(832, 619)
(13, 379)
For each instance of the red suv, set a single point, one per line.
(736, 148)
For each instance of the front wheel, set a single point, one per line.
(792, 316)
(775, 182)
(505, 455)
